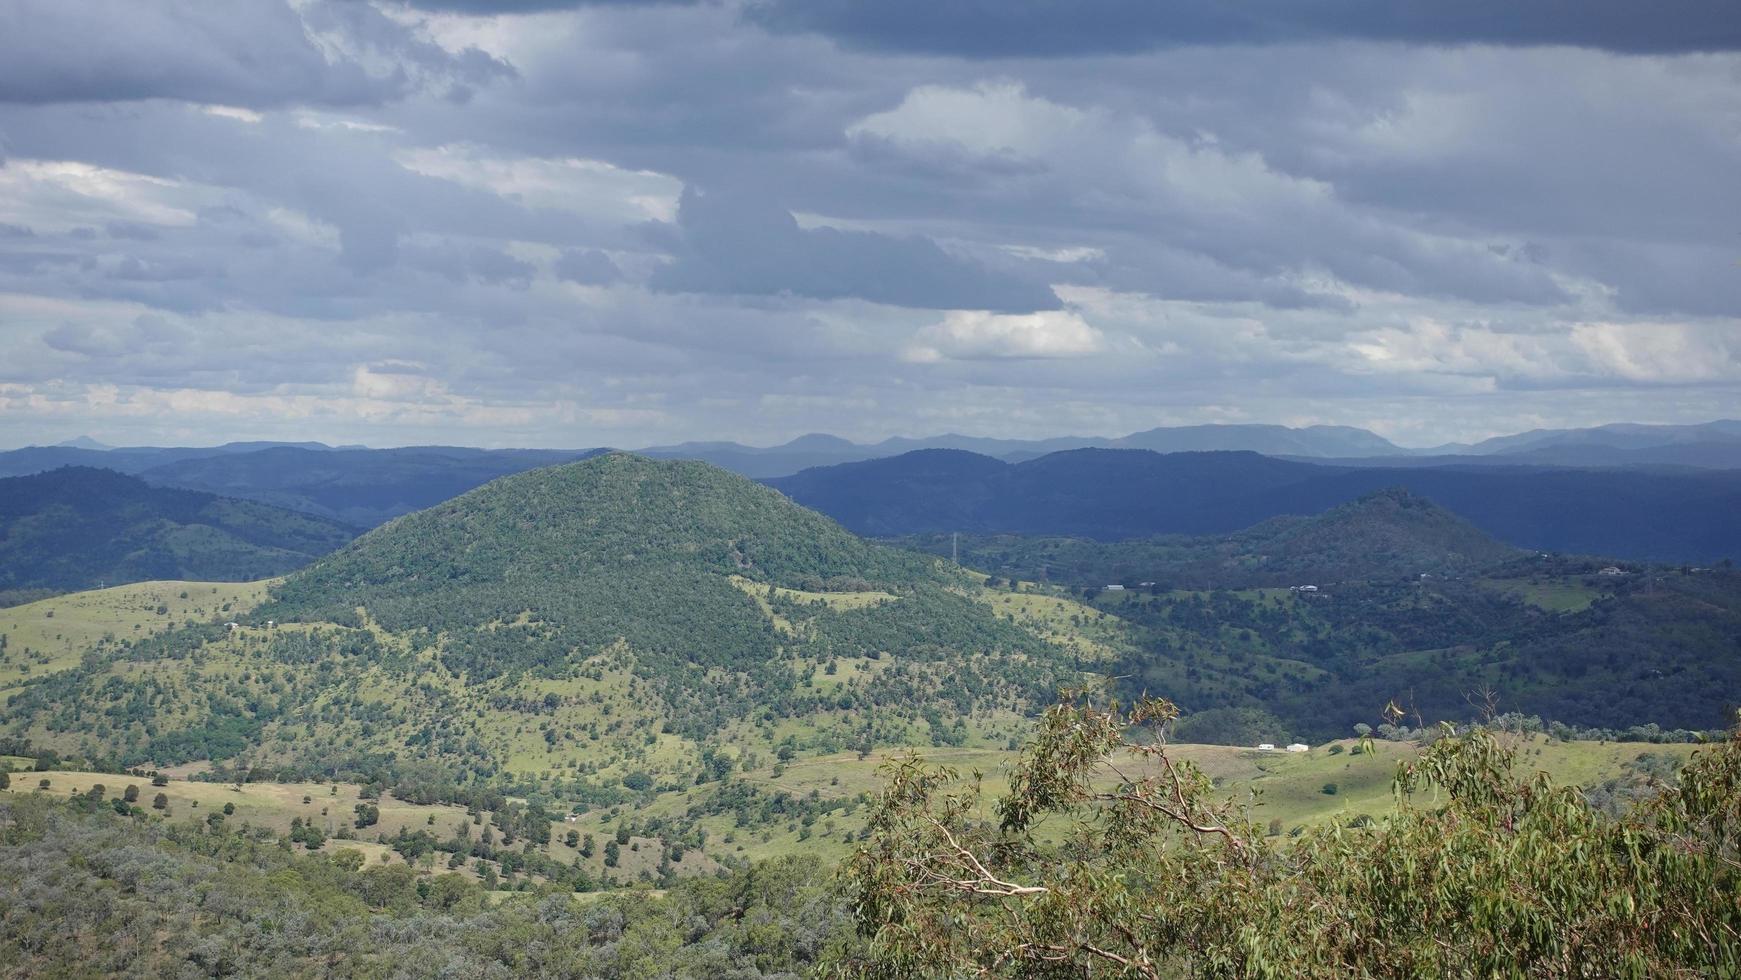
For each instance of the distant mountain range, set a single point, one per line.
(823, 450)
(367, 487)
(1692, 515)
(1712, 445)
(79, 527)
(356, 486)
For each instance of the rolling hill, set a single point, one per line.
(1692, 516)
(576, 624)
(1389, 535)
(77, 527)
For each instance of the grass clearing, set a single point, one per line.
(1560, 595)
(54, 634)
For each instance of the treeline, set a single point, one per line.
(1652, 651)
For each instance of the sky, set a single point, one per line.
(570, 224)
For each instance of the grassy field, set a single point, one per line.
(53, 634)
(1087, 632)
(1567, 594)
(1288, 789)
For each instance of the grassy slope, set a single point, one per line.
(1276, 785)
(53, 634)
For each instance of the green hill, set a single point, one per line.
(1386, 535)
(617, 622)
(78, 527)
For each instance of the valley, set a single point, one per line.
(629, 679)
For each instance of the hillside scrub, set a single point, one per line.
(1090, 868)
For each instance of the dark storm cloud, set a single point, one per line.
(1004, 28)
(254, 53)
(737, 244)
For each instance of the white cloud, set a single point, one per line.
(991, 118)
(1073, 253)
(232, 112)
(588, 187)
(59, 195)
(976, 334)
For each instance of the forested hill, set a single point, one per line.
(1390, 534)
(1692, 516)
(77, 527)
(690, 567)
(619, 614)
(630, 541)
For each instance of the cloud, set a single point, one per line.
(147, 333)
(484, 206)
(1004, 28)
(489, 7)
(236, 56)
(735, 244)
(587, 266)
(976, 334)
(1189, 200)
(589, 187)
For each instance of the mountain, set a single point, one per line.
(1620, 435)
(758, 463)
(1692, 516)
(122, 459)
(83, 442)
(77, 527)
(1707, 445)
(615, 615)
(1270, 440)
(364, 487)
(1389, 535)
(814, 450)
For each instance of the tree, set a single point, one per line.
(1479, 870)
(5, 779)
(160, 802)
(368, 814)
(131, 794)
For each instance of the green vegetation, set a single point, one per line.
(1088, 867)
(608, 708)
(88, 891)
(1387, 535)
(1408, 605)
(563, 629)
(742, 863)
(78, 528)
(55, 634)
